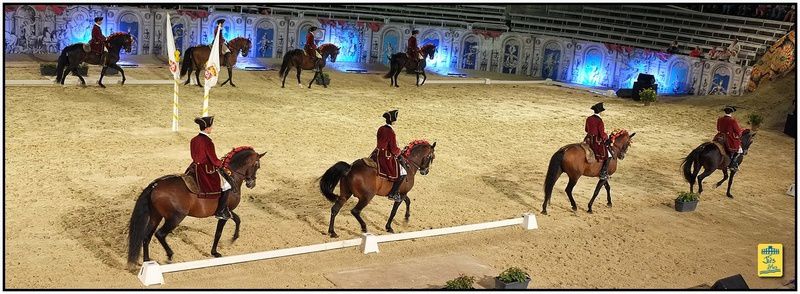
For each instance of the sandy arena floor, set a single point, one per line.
(76, 159)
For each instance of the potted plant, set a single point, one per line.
(49, 69)
(647, 96)
(512, 278)
(323, 79)
(461, 283)
(755, 121)
(686, 201)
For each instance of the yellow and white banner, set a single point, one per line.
(212, 70)
(174, 68)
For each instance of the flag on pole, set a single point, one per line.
(174, 68)
(212, 70)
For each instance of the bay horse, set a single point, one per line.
(73, 55)
(398, 61)
(168, 198)
(363, 181)
(195, 58)
(571, 159)
(299, 60)
(709, 157)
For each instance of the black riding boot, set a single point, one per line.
(396, 186)
(734, 165)
(419, 65)
(222, 206)
(604, 169)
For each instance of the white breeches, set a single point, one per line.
(402, 170)
(740, 150)
(225, 185)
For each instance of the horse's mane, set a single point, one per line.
(617, 133)
(325, 46)
(410, 147)
(238, 38)
(429, 45)
(117, 35)
(234, 155)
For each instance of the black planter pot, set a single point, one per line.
(498, 284)
(685, 206)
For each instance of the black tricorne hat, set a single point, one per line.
(204, 122)
(221, 20)
(729, 109)
(311, 29)
(598, 108)
(99, 18)
(414, 32)
(391, 115)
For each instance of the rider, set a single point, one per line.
(223, 47)
(597, 139)
(387, 154)
(98, 41)
(728, 127)
(311, 47)
(413, 50)
(207, 167)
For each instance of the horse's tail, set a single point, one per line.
(553, 172)
(187, 61)
(393, 67)
(285, 64)
(63, 60)
(332, 177)
(690, 161)
(138, 224)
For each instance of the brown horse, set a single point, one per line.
(168, 198)
(195, 59)
(73, 55)
(298, 59)
(363, 181)
(708, 156)
(398, 61)
(572, 160)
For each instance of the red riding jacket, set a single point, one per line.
(386, 152)
(596, 136)
(310, 45)
(728, 127)
(98, 40)
(206, 164)
(412, 49)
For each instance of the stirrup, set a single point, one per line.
(396, 197)
(225, 214)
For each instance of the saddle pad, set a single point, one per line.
(191, 184)
(725, 157)
(87, 48)
(590, 158)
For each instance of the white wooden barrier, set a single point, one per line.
(507, 82)
(75, 82)
(151, 272)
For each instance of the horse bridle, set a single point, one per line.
(427, 158)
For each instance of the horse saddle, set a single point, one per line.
(722, 150)
(369, 162)
(191, 183)
(590, 158)
(87, 48)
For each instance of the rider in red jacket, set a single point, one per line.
(208, 166)
(413, 49)
(597, 138)
(728, 127)
(311, 47)
(98, 41)
(387, 155)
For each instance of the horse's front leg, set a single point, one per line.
(424, 77)
(316, 73)
(102, 74)
(324, 84)
(237, 221)
(391, 217)
(408, 207)
(730, 183)
(299, 83)
(417, 79)
(121, 72)
(596, 191)
(217, 235)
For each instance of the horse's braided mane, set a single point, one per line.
(413, 144)
(427, 46)
(116, 35)
(237, 38)
(226, 160)
(617, 133)
(324, 47)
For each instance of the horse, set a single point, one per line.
(571, 159)
(298, 59)
(708, 156)
(363, 181)
(168, 198)
(195, 58)
(398, 61)
(72, 56)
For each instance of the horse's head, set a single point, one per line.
(122, 40)
(244, 162)
(420, 154)
(428, 51)
(329, 49)
(243, 44)
(747, 139)
(620, 140)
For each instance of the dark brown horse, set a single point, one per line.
(363, 181)
(398, 61)
(194, 59)
(73, 55)
(299, 60)
(708, 156)
(571, 159)
(168, 198)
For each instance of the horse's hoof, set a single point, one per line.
(590, 211)
(216, 254)
(102, 86)
(300, 85)
(363, 230)
(574, 208)
(544, 212)
(407, 218)
(396, 86)
(334, 235)
(232, 85)
(730, 196)
(235, 237)
(389, 230)
(609, 204)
